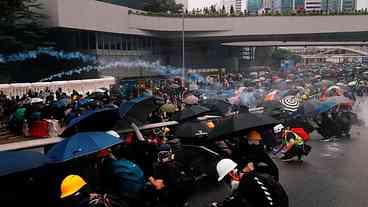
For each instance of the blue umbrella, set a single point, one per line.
(96, 120)
(137, 110)
(325, 106)
(18, 161)
(81, 144)
(64, 102)
(84, 102)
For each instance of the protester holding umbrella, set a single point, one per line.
(250, 154)
(293, 145)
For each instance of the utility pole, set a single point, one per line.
(183, 45)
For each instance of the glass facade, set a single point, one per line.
(338, 5)
(254, 5)
(91, 40)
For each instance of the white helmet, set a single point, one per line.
(224, 167)
(113, 133)
(278, 128)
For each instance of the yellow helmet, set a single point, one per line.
(70, 185)
(254, 136)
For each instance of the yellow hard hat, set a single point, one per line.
(70, 185)
(254, 136)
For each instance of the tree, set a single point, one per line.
(232, 12)
(21, 25)
(223, 10)
(162, 6)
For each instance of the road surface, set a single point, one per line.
(335, 174)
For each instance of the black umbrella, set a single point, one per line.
(138, 110)
(217, 106)
(18, 161)
(241, 123)
(193, 129)
(192, 111)
(96, 120)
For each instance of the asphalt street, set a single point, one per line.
(335, 174)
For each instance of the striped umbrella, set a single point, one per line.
(290, 103)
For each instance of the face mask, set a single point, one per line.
(234, 184)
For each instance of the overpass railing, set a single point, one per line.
(203, 13)
(82, 86)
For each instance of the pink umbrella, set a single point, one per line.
(235, 100)
(190, 100)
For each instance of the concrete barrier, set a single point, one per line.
(82, 86)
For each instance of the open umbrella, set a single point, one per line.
(19, 161)
(217, 106)
(190, 100)
(290, 103)
(96, 120)
(36, 100)
(241, 123)
(138, 110)
(274, 95)
(191, 112)
(340, 100)
(325, 106)
(81, 144)
(194, 129)
(308, 109)
(170, 108)
(62, 103)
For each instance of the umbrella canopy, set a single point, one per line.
(308, 108)
(235, 100)
(290, 103)
(138, 110)
(96, 120)
(84, 102)
(62, 103)
(335, 91)
(217, 106)
(241, 123)
(274, 95)
(19, 161)
(191, 112)
(194, 129)
(81, 144)
(325, 106)
(190, 100)
(170, 108)
(340, 100)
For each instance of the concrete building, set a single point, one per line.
(239, 5)
(111, 32)
(254, 6)
(339, 5)
(312, 5)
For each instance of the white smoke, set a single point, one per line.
(361, 109)
(122, 64)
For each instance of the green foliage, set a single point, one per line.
(21, 25)
(162, 6)
(232, 11)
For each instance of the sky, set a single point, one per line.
(362, 4)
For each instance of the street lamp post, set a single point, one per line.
(183, 47)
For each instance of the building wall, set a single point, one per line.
(312, 5)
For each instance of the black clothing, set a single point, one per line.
(245, 153)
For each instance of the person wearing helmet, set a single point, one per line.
(177, 184)
(250, 154)
(292, 144)
(249, 188)
(74, 191)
